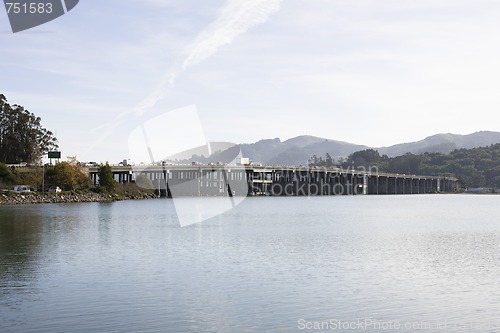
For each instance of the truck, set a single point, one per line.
(243, 161)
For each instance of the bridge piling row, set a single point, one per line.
(229, 180)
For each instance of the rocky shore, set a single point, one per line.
(11, 198)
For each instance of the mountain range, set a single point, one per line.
(298, 150)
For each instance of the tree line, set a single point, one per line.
(22, 137)
(67, 176)
(476, 167)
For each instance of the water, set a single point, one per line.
(430, 262)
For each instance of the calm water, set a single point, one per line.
(270, 265)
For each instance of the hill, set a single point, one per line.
(298, 150)
(442, 143)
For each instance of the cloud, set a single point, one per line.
(235, 18)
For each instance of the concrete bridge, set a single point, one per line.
(251, 180)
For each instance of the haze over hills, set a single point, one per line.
(443, 143)
(298, 150)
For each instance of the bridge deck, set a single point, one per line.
(228, 180)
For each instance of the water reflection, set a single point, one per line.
(20, 242)
(128, 266)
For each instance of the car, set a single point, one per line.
(54, 189)
(22, 188)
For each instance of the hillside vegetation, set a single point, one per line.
(476, 167)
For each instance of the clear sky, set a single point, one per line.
(369, 72)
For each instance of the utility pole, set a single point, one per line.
(43, 174)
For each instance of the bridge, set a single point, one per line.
(255, 180)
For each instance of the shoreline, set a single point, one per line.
(11, 198)
(65, 197)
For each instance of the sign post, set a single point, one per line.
(55, 155)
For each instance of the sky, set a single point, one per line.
(367, 72)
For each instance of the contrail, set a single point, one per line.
(235, 18)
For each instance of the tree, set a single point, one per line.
(364, 158)
(406, 164)
(106, 179)
(72, 160)
(329, 162)
(368, 158)
(67, 176)
(313, 161)
(6, 175)
(22, 137)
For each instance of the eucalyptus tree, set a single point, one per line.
(22, 137)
